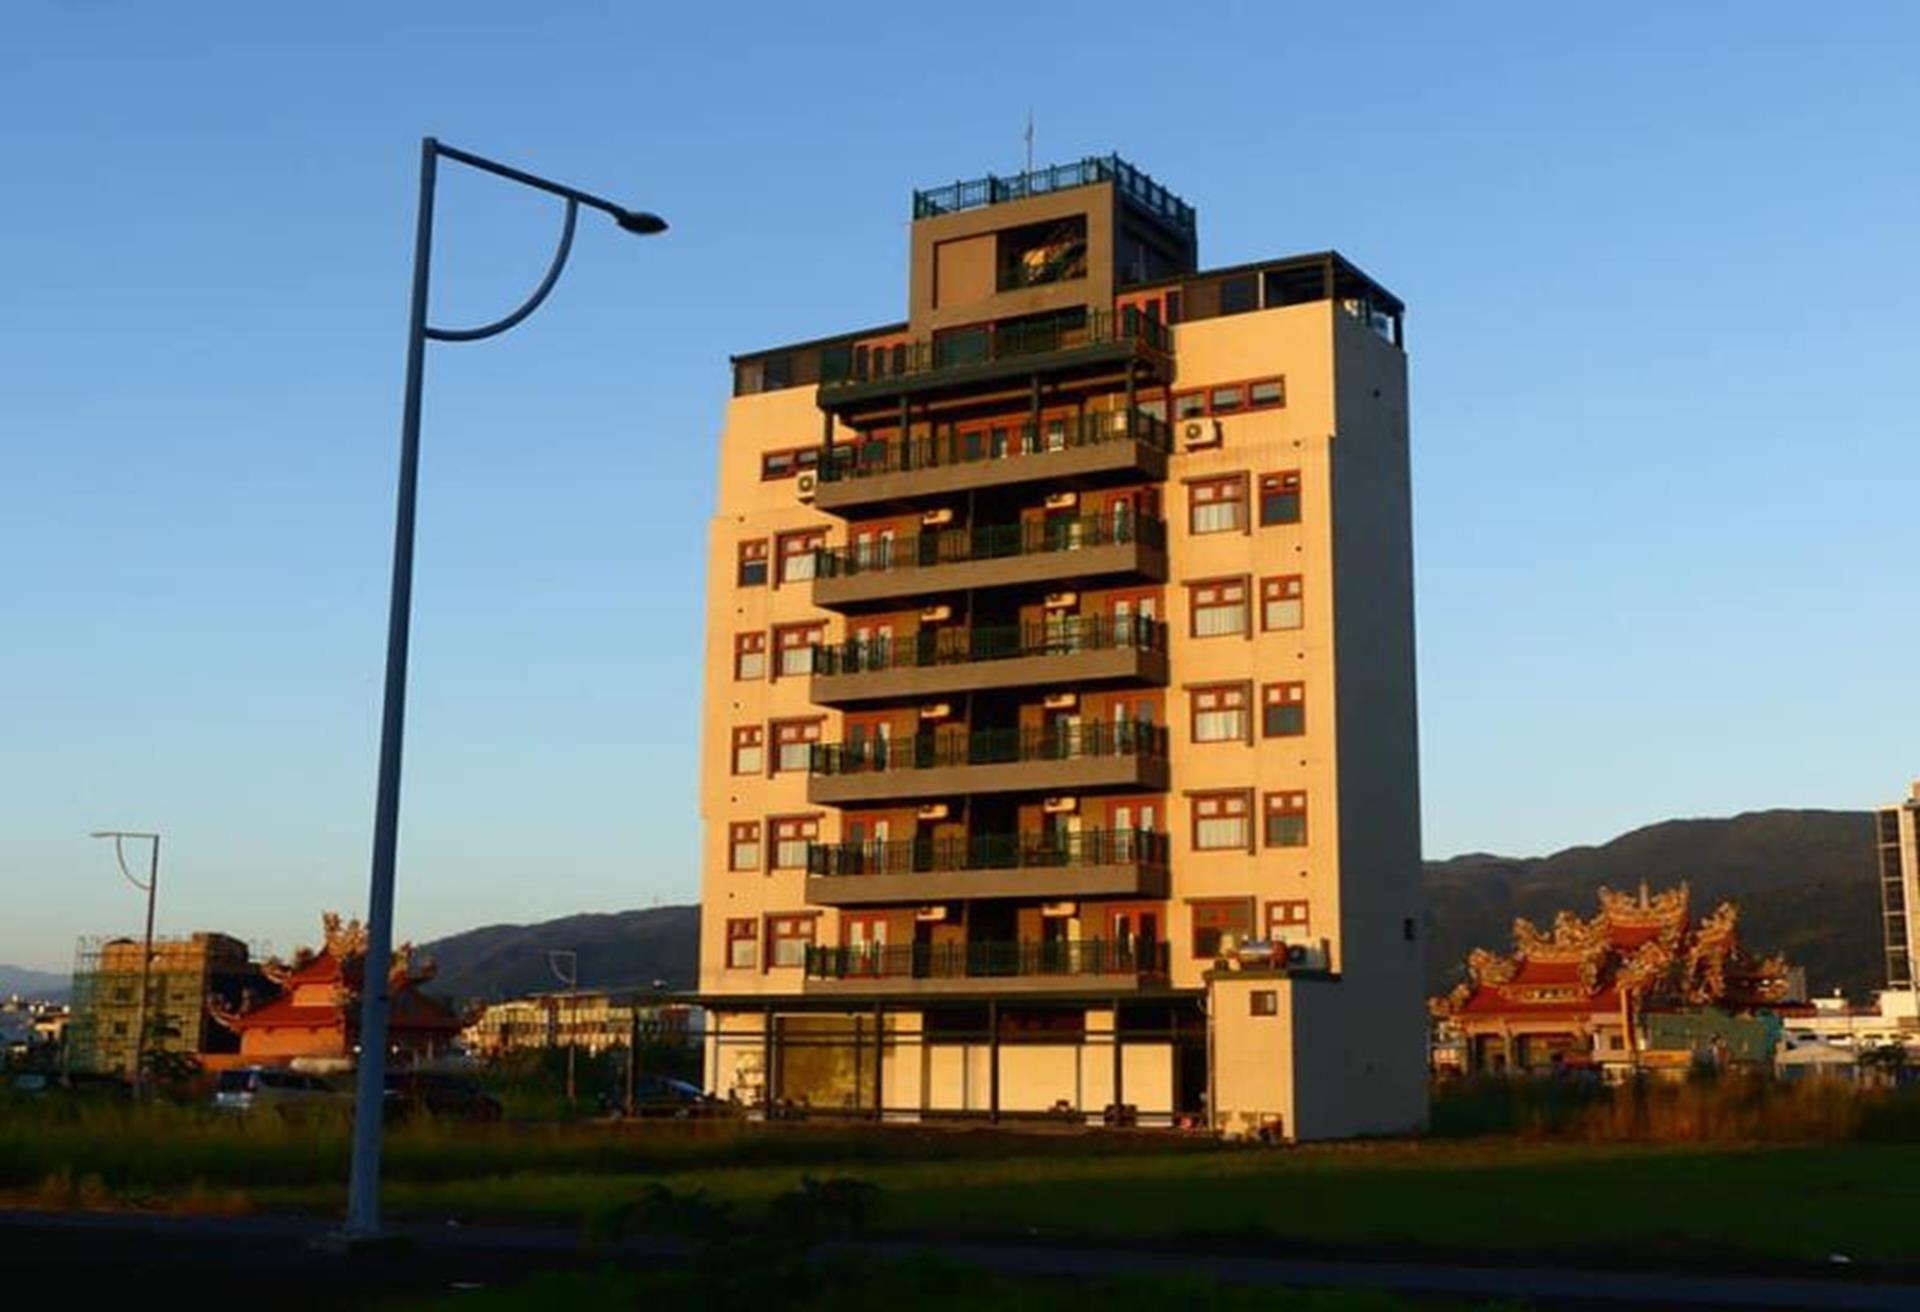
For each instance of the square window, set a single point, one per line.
(793, 742)
(797, 554)
(1220, 713)
(1288, 921)
(791, 837)
(1263, 1002)
(1221, 822)
(1189, 405)
(753, 563)
(749, 752)
(795, 644)
(1214, 919)
(1217, 505)
(743, 845)
(1218, 607)
(742, 944)
(1283, 710)
(1281, 604)
(1286, 820)
(1280, 498)
(788, 938)
(750, 656)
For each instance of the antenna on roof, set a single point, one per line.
(1029, 138)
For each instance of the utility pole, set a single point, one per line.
(119, 836)
(565, 965)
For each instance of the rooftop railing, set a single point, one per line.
(992, 642)
(1135, 184)
(989, 960)
(998, 343)
(925, 855)
(989, 542)
(945, 748)
(1014, 440)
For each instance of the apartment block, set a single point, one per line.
(1897, 843)
(1060, 750)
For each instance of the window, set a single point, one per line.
(749, 655)
(1221, 822)
(1286, 819)
(1266, 392)
(743, 845)
(1263, 1002)
(1283, 710)
(1214, 919)
(1220, 714)
(1041, 253)
(753, 564)
(1287, 922)
(1280, 604)
(795, 643)
(790, 838)
(785, 464)
(1225, 400)
(792, 740)
(1280, 498)
(796, 554)
(1219, 607)
(749, 751)
(1217, 505)
(788, 938)
(742, 942)
(1240, 294)
(1189, 405)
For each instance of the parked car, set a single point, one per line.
(660, 1095)
(291, 1093)
(438, 1093)
(70, 1084)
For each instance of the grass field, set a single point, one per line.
(1719, 1203)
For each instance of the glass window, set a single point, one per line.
(1219, 608)
(1267, 392)
(788, 938)
(750, 656)
(1281, 606)
(797, 554)
(796, 643)
(1213, 920)
(1221, 822)
(1280, 498)
(743, 845)
(1189, 405)
(749, 752)
(1287, 921)
(1220, 714)
(1263, 1002)
(1286, 819)
(1223, 400)
(961, 346)
(793, 742)
(1217, 505)
(741, 944)
(1238, 295)
(753, 563)
(790, 839)
(1283, 710)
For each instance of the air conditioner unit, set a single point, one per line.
(936, 614)
(1060, 701)
(1062, 500)
(1062, 600)
(803, 485)
(1059, 910)
(937, 518)
(1200, 432)
(933, 811)
(930, 913)
(936, 711)
(1060, 805)
(1307, 956)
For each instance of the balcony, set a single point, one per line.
(1092, 863)
(1109, 445)
(1076, 965)
(990, 556)
(1081, 649)
(955, 762)
(1100, 341)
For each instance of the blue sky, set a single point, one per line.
(1658, 262)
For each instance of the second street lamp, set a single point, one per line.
(363, 1189)
(137, 1076)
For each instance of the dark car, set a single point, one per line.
(439, 1094)
(73, 1084)
(660, 1095)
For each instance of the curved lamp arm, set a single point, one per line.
(532, 302)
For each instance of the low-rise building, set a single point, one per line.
(592, 1021)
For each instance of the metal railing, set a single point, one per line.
(958, 746)
(991, 642)
(1009, 441)
(1134, 183)
(977, 960)
(989, 542)
(996, 343)
(908, 856)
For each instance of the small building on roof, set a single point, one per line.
(1580, 994)
(315, 1019)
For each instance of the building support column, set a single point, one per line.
(1119, 1094)
(879, 1056)
(766, 1062)
(1033, 420)
(906, 433)
(1133, 389)
(993, 1062)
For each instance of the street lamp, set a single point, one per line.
(363, 1189)
(120, 837)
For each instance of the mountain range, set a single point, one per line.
(1805, 881)
(43, 985)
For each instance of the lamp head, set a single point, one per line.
(639, 222)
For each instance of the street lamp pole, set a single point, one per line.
(363, 1188)
(150, 888)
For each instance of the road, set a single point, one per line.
(89, 1258)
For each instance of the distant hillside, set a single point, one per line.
(45, 985)
(1805, 881)
(621, 950)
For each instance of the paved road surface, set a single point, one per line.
(89, 1258)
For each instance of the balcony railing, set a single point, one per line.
(991, 642)
(943, 749)
(989, 542)
(1133, 183)
(904, 856)
(1015, 340)
(988, 960)
(1016, 441)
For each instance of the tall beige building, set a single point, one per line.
(1060, 747)
(1897, 843)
